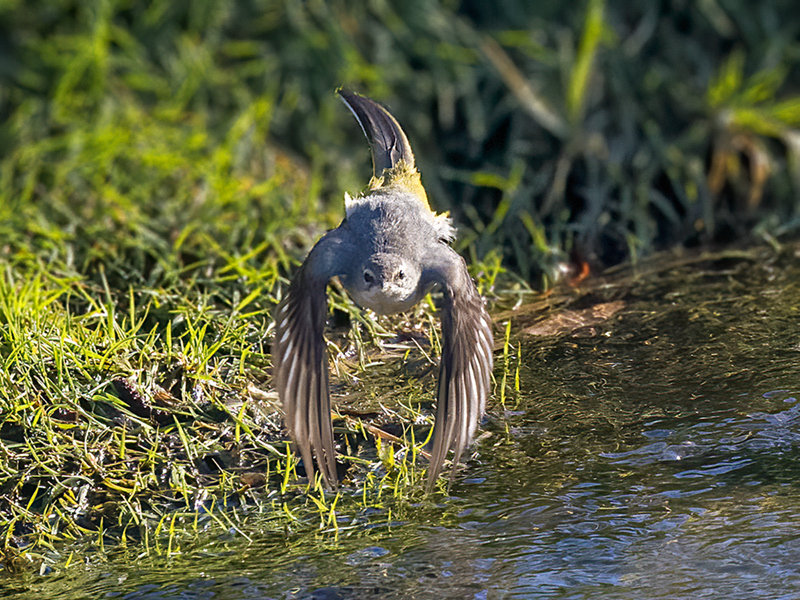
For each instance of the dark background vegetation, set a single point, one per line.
(605, 130)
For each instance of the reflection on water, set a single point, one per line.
(658, 457)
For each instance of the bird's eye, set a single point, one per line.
(401, 275)
(368, 277)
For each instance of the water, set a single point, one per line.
(652, 455)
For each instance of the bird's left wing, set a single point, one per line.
(299, 358)
(466, 363)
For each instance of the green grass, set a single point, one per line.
(135, 398)
(134, 416)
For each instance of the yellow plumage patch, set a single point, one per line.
(404, 177)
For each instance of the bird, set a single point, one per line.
(388, 253)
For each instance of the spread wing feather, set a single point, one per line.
(466, 364)
(300, 360)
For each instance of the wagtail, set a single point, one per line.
(390, 250)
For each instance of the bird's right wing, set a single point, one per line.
(299, 358)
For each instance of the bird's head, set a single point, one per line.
(386, 283)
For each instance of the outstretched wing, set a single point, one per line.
(299, 358)
(466, 367)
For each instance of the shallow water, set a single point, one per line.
(652, 455)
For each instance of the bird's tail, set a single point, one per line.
(392, 158)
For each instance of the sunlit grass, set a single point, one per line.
(142, 413)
